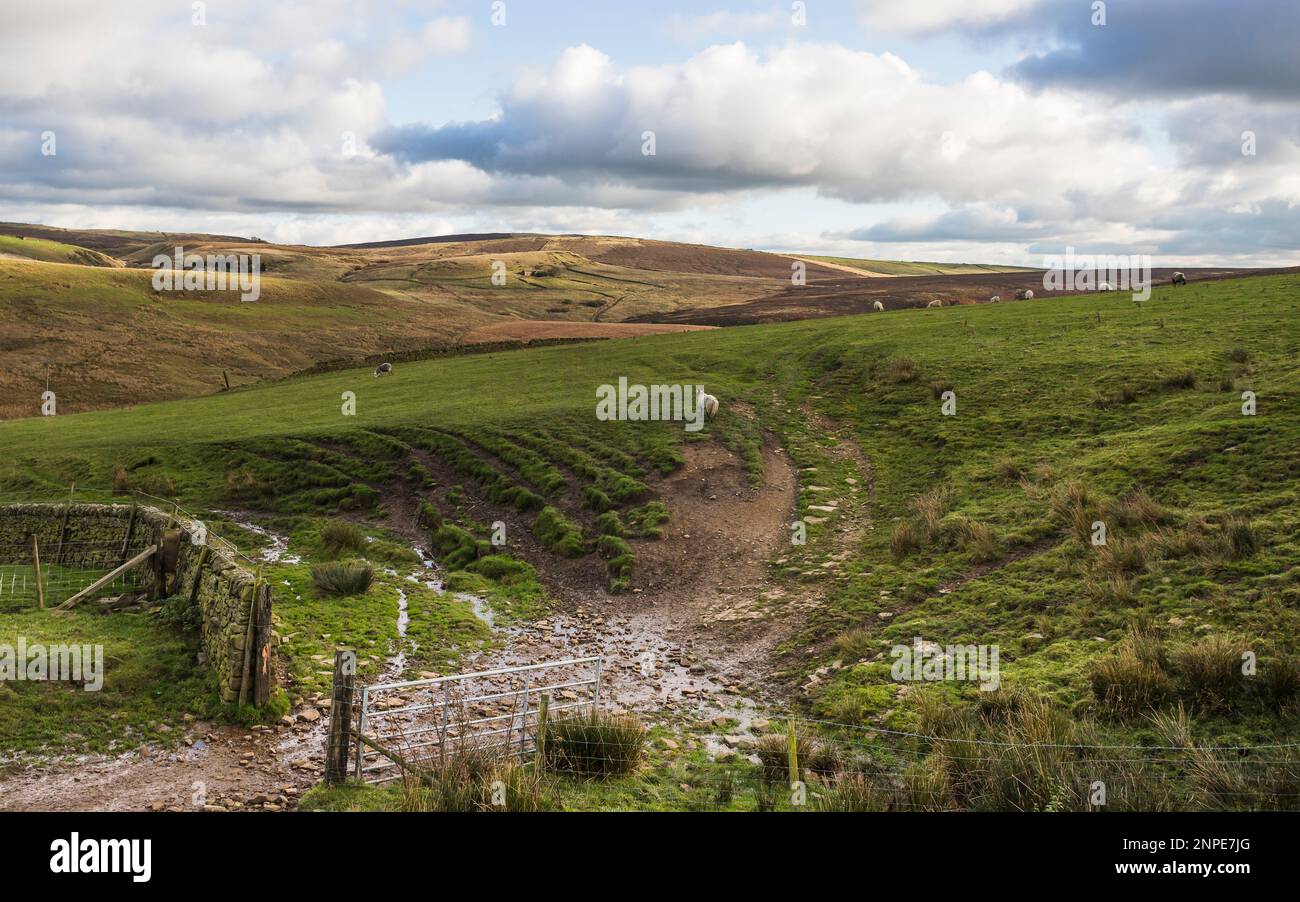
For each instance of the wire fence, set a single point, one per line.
(65, 569)
(487, 753)
(493, 714)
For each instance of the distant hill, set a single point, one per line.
(52, 252)
(115, 341)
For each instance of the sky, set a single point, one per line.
(997, 131)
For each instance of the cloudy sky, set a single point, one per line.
(957, 130)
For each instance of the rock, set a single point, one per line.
(309, 715)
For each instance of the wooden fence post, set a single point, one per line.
(542, 710)
(263, 676)
(792, 744)
(246, 669)
(130, 529)
(339, 739)
(36, 565)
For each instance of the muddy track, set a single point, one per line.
(690, 642)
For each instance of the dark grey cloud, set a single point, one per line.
(961, 224)
(1166, 47)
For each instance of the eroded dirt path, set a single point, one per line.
(692, 641)
(694, 636)
(217, 768)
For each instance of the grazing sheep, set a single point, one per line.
(996, 299)
(878, 307)
(708, 402)
(1104, 286)
(935, 303)
(383, 369)
(1179, 279)
(1026, 294)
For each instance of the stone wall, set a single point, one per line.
(209, 577)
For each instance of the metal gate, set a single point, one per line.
(492, 711)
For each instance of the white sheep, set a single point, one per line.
(1179, 279)
(383, 369)
(1104, 286)
(708, 402)
(996, 299)
(878, 307)
(1026, 294)
(935, 303)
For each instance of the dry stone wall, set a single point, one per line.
(211, 579)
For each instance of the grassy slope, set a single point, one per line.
(111, 341)
(1035, 382)
(47, 251)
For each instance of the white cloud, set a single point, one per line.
(927, 16)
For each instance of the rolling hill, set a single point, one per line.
(80, 314)
(969, 528)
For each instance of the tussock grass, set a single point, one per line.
(930, 508)
(1009, 470)
(610, 524)
(814, 756)
(595, 744)
(340, 536)
(466, 779)
(1133, 679)
(342, 579)
(899, 370)
(854, 645)
(1240, 538)
(1210, 671)
(906, 539)
(645, 521)
(558, 533)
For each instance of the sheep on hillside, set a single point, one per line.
(935, 303)
(383, 369)
(878, 307)
(708, 402)
(996, 299)
(1026, 294)
(1179, 279)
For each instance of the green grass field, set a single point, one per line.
(1068, 413)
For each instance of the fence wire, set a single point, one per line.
(66, 569)
(591, 758)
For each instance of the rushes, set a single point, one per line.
(337, 580)
(1211, 671)
(339, 536)
(899, 370)
(594, 744)
(1134, 678)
